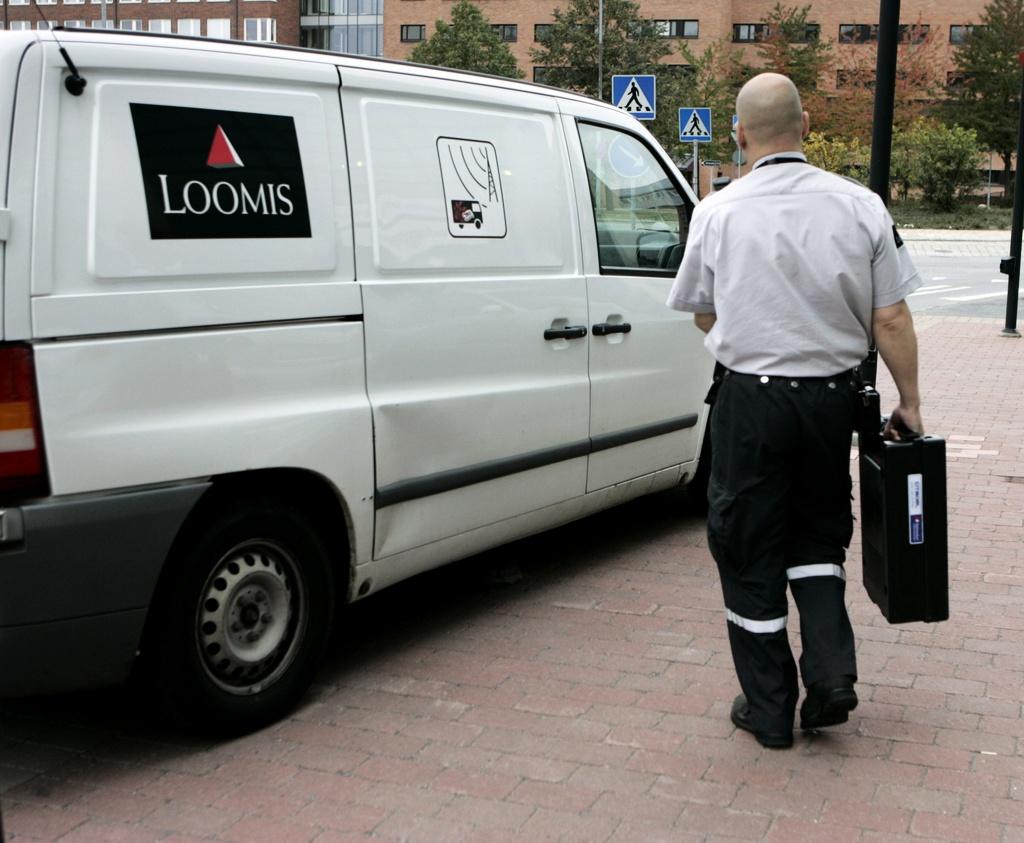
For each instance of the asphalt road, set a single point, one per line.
(961, 286)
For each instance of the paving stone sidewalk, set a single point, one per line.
(950, 242)
(576, 687)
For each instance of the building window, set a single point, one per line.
(745, 33)
(120, 2)
(42, 25)
(17, 3)
(412, 32)
(916, 33)
(46, 2)
(857, 33)
(74, 24)
(541, 31)
(159, 25)
(260, 29)
(678, 28)
(101, 24)
(958, 34)
(134, 25)
(315, 37)
(190, 26)
(218, 28)
(19, 25)
(507, 32)
(540, 75)
(812, 32)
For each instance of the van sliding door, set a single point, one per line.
(467, 253)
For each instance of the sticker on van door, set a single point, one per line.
(474, 200)
(213, 174)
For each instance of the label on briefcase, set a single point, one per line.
(915, 507)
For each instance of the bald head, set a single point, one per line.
(769, 111)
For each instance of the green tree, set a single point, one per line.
(845, 157)
(569, 51)
(793, 49)
(709, 80)
(467, 43)
(987, 96)
(946, 162)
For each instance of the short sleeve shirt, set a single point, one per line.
(792, 260)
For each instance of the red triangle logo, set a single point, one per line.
(222, 153)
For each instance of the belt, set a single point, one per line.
(848, 374)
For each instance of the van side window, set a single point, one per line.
(641, 216)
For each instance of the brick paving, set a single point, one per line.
(955, 243)
(576, 687)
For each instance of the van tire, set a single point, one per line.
(244, 618)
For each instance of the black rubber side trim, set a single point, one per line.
(644, 431)
(456, 478)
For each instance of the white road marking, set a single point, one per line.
(976, 298)
(927, 291)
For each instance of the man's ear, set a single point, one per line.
(806, 125)
(741, 136)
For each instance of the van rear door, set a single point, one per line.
(20, 58)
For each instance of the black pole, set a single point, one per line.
(885, 93)
(881, 128)
(1011, 266)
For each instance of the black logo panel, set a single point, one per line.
(220, 174)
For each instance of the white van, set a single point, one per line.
(281, 328)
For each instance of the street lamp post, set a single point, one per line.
(600, 49)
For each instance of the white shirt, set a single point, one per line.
(792, 260)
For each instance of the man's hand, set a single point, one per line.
(705, 321)
(903, 418)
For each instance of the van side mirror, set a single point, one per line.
(719, 182)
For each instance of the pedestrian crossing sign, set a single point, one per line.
(635, 95)
(695, 125)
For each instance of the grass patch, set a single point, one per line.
(912, 214)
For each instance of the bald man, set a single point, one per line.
(790, 272)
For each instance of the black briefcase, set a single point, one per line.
(903, 521)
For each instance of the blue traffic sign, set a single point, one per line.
(625, 157)
(695, 125)
(635, 95)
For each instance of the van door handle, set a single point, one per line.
(569, 332)
(602, 329)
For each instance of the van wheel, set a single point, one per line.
(242, 627)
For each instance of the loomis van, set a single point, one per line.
(282, 328)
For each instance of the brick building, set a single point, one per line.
(248, 20)
(848, 23)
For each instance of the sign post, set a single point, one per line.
(695, 128)
(738, 157)
(635, 94)
(1011, 265)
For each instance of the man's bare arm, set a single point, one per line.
(896, 340)
(704, 321)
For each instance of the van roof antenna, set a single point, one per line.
(75, 83)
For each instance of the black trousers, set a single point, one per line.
(780, 513)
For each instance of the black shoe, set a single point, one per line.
(828, 703)
(740, 716)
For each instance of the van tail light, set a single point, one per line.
(22, 463)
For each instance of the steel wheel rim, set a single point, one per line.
(251, 617)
